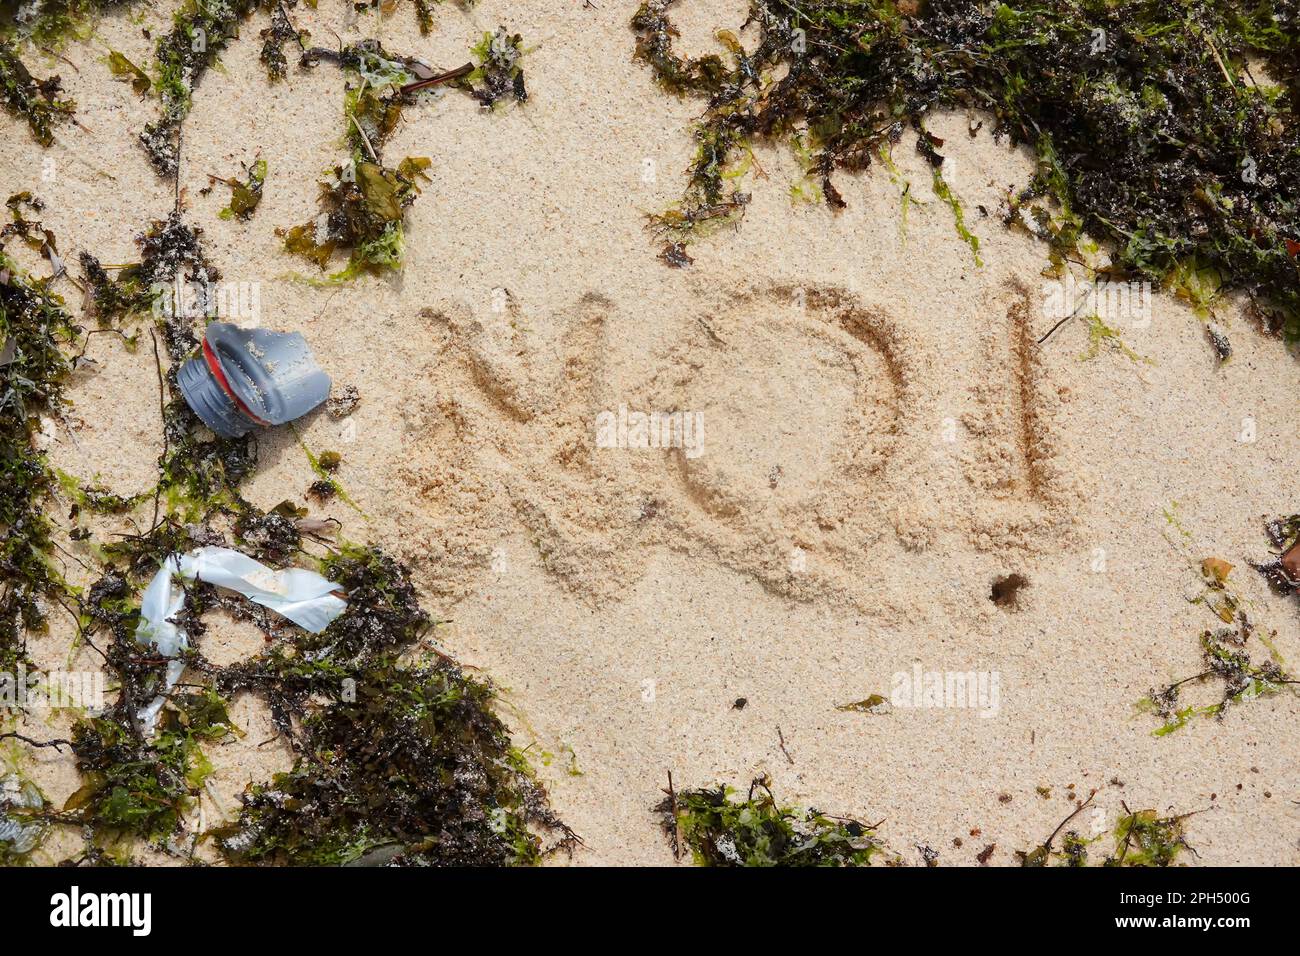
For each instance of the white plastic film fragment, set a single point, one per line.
(302, 596)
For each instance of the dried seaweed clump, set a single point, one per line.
(36, 101)
(416, 771)
(361, 213)
(245, 195)
(1150, 129)
(133, 785)
(406, 764)
(1226, 658)
(44, 25)
(499, 75)
(1141, 838)
(170, 251)
(363, 207)
(34, 328)
(201, 29)
(33, 232)
(722, 831)
(274, 37)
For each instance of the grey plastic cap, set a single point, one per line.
(271, 378)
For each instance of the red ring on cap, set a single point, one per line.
(220, 376)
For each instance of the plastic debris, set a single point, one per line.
(302, 596)
(160, 603)
(19, 835)
(250, 377)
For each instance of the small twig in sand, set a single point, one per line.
(677, 821)
(781, 737)
(1052, 331)
(447, 77)
(364, 138)
(57, 744)
(162, 411)
(1077, 810)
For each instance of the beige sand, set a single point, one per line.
(881, 440)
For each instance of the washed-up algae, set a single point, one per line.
(1202, 160)
(41, 25)
(363, 205)
(718, 829)
(399, 757)
(1141, 838)
(1226, 652)
(1166, 129)
(35, 329)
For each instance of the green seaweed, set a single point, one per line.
(1141, 839)
(1150, 131)
(35, 327)
(326, 485)
(1145, 838)
(49, 24)
(201, 29)
(37, 101)
(363, 207)
(245, 196)
(874, 704)
(499, 75)
(719, 830)
(944, 192)
(133, 785)
(1226, 658)
(1100, 334)
(123, 69)
(33, 232)
(44, 26)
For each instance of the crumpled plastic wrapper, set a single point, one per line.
(302, 596)
(19, 835)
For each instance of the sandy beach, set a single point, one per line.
(873, 436)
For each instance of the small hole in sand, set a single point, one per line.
(1006, 590)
